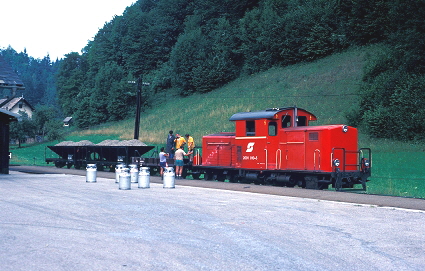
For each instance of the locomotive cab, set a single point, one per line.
(267, 122)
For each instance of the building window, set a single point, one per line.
(250, 128)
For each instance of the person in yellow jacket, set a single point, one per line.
(180, 141)
(190, 145)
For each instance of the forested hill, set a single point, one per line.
(184, 47)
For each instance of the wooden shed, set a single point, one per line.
(5, 118)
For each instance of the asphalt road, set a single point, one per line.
(60, 222)
(375, 200)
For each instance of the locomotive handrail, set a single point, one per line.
(267, 165)
(354, 165)
(363, 156)
(359, 153)
(343, 157)
(280, 158)
(198, 157)
(315, 151)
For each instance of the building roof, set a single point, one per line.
(67, 119)
(8, 104)
(8, 77)
(5, 114)
(263, 114)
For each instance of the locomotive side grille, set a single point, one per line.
(313, 136)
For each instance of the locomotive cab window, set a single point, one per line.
(301, 121)
(272, 128)
(286, 121)
(250, 128)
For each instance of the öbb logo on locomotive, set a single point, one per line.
(250, 147)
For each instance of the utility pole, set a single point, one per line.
(138, 102)
(140, 83)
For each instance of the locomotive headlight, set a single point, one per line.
(336, 162)
(366, 163)
(345, 128)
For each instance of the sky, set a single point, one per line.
(54, 27)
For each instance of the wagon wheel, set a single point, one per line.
(95, 156)
(154, 171)
(59, 164)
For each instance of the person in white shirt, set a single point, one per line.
(162, 160)
(178, 156)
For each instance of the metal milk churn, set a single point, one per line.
(169, 177)
(91, 173)
(118, 169)
(144, 176)
(134, 173)
(125, 181)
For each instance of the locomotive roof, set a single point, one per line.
(264, 114)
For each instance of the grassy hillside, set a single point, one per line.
(326, 88)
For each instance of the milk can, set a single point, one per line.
(169, 177)
(144, 176)
(125, 181)
(91, 173)
(118, 169)
(134, 173)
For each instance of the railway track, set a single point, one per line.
(349, 197)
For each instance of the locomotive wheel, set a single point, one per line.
(322, 186)
(259, 181)
(221, 177)
(196, 175)
(232, 178)
(290, 184)
(244, 180)
(209, 176)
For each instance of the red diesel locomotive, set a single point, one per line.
(277, 146)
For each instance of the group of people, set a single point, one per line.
(175, 150)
